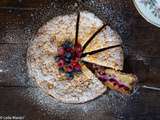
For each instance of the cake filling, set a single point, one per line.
(105, 78)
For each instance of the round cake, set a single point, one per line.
(58, 55)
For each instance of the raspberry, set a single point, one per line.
(61, 51)
(69, 68)
(78, 50)
(77, 68)
(61, 63)
(69, 50)
(74, 62)
(78, 54)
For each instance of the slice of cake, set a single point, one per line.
(111, 58)
(117, 80)
(106, 38)
(88, 25)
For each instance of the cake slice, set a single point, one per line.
(117, 80)
(106, 38)
(88, 25)
(111, 58)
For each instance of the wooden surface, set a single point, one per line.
(19, 95)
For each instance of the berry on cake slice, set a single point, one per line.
(115, 80)
(119, 81)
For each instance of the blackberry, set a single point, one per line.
(61, 69)
(68, 55)
(57, 58)
(67, 60)
(67, 44)
(69, 75)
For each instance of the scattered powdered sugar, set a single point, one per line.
(109, 103)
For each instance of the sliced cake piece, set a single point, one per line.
(107, 37)
(112, 58)
(113, 79)
(119, 81)
(88, 25)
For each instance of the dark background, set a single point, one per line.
(19, 96)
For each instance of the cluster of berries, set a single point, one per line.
(68, 59)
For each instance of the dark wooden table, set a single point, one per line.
(19, 95)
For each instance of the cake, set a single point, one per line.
(62, 48)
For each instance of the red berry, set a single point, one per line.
(69, 68)
(77, 67)
(78, 54)
(61, 51)
(61, 63)
(69, 49)
(74, 62)
(78, 48)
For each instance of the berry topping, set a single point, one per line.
(61, 63)
(61, 69)
(69, 50)
(67, 44)
(69, 75)
(61, 51)
(68, 59)
(78, 48)
(77, 68)
(68, 55)
(69, 68)
(57, 58)
(74, 62)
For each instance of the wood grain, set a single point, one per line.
(13, 65)
(33, 104)
(4, 4)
